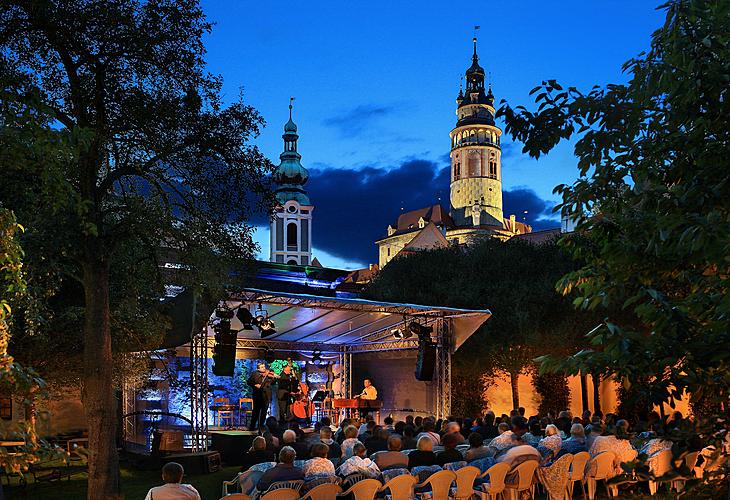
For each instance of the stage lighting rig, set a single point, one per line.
(245, 317)
(421, 331)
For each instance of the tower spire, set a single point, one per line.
(475, 57)
(291, 105)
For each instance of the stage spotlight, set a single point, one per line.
(223, 312)
(266, 328)
(245, 317)
(401, 334)
(420, 330)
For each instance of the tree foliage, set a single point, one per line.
(652, 199)
(117, 152)
(515, 280)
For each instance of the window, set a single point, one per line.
(457, 170)
(291, 236)
(6, 408)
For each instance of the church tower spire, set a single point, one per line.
(291, 227)
(476, 169)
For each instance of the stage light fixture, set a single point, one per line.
(400, 333)
(267, 328)
(423, 332)
(224, 312)
(245, 317)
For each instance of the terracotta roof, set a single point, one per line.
(434, 213)
(540, 237)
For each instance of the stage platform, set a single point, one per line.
(231, 444)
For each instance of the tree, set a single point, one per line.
(137, 153)
(515, 280)
(653, 200)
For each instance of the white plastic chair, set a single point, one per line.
(497, 474)
(440, 483)
(600, 468)
(521, 478)
(465, 482)
(554, 478)
(577, 472)
(659, 464)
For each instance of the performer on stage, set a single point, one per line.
(369, 392)
(287, 391)
(260, 381)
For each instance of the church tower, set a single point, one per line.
(291, 227)
(476, 164)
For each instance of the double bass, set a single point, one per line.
(302, 407)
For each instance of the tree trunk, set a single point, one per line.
(596, 393)
(513, 378)
(584, 391)
(97, 394)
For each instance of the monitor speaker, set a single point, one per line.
(426, 361)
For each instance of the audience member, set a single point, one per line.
(393, 457)
(535, 435)
(173, 489)
(340, 434)
(453, 428)
(575, 443)
(409, 441)
(429, 432)
(388, 421)
(358, 463)
(488, 430)
(423, 454)
(257, 454)
(333, 448)
(289, 438)
(476, 448)
(450, 453)
(503, 441)
(618, 443)
(518, 452)
(283, 471)
(564, 421)
(350, 441)
(378, 441)
(319, 464)
(418, 424)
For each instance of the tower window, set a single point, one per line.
(457, 170)
(291, 236)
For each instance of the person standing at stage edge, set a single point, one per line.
(288, 388)
(260, 381)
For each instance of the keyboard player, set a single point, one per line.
(369, 393)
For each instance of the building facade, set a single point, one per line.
(475, 209)
(291, 226)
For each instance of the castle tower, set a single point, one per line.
(476, 164)
(291, 227)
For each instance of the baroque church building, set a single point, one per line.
(291, 226)
(476, 183)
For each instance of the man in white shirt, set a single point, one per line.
(172, 475)
(369, 392)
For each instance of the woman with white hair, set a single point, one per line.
(550, 445)
(575, 443)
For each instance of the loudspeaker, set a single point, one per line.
(426, 361)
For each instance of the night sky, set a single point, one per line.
(375, 86)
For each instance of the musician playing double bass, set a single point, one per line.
(287, 392)
(260, 381)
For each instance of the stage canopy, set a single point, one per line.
(333, 324)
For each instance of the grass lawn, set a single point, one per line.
(135, 484)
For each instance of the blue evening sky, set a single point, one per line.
(375, 84)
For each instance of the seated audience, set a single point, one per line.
(398, 428)
(283, 471)
(488, 430)
(378, 441)
(423, 455)
(409, 441)
(366, 430)
(319, 464)
(519, 452)
(350, 441)
(503, 441)
(358, 463)
(325, 437)
(655, 445)
(450, 453)
(618, 443)
(476, 448)
(340, 434)
(388, 421)
(455, 429)
(551, 443)
(535, 435)
(594, 430)
(564, 421)
(418, 424)
(575, 443)
(410, 420)
(393, 457)
(289, 438)
(258, 454)
(173, 489)
(429, 432)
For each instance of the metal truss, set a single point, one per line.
(199, 390)
(443, 371)
(129, 425)
(279, 345)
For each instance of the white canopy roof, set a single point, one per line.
(332, 324)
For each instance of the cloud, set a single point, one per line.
(356, 121)
(354, 207)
